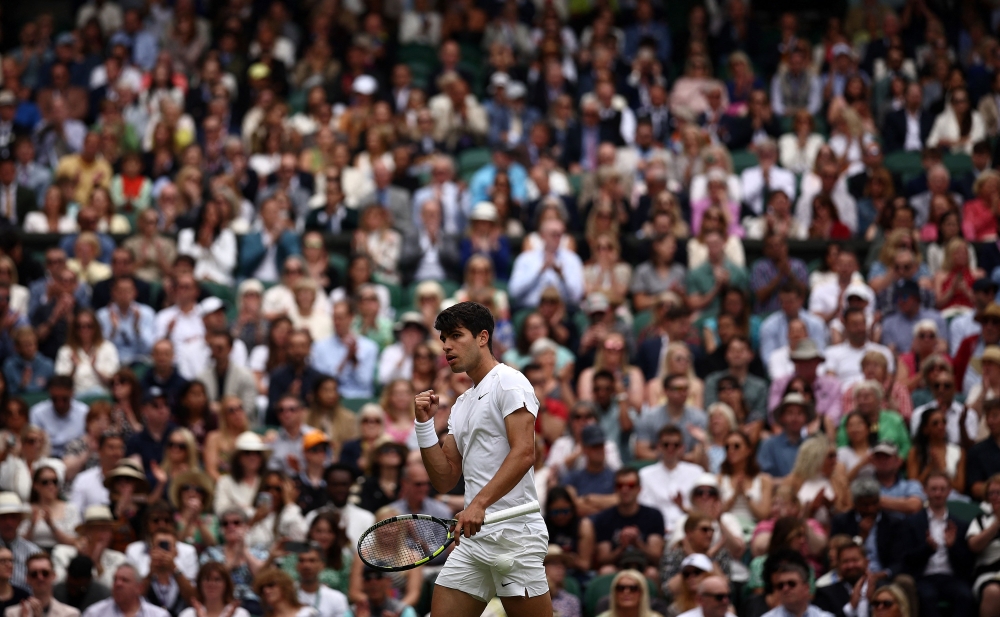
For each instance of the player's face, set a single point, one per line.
(461, 349)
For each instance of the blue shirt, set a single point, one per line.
(482, 180)
(587, 483)
(42, 370)
(61, 429)
(149, 449)
(904, 488)
(897, 328)
(777, 455)
(774, 331)
(528, 280)
(356, 378)
(135, 334)
(652, 420)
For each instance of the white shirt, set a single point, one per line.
(355, 519)
(844, 361)
(951, 418)
(186, 560)
(394, 363)
(239, 612)
(85, 374)
(913, 141)
(779, 363)
(753, 185)
(188, 337)
(88, 489)
(108, 608)
(528, 280)
(961, 327)
(938, 562)
(63, 554)
(477, 424)
(430, 267)
(327, 602)
(847, 207)
(214, 263)
(660, 485)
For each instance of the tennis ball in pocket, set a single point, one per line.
(503, 564)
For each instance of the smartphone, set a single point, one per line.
(264, 499)
(165, 545)
(295, 547)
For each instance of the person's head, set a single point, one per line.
(310, 564)
(855, 327)
(670, 442)
(713, 596)
(61, 394)
(339, 479)
(110, 449)
(41, 574)
(466, 335)
(890, 601)
(629, 591)
(699, 531)
(868, 397)
(291, 412)
(343, 315)
(792, 584)
(126, 588)
(866, 493)
(233, 525)
(793, 414)
(25, 342)
(937, 486)
(739, 354)
(560, 509)
(214, 583)
(676, 386)
(275, 589)
(414, 485)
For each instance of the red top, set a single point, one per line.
(978, 222)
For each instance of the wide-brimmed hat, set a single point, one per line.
(191, 478)
(411, 318)
(992, 310)
(248, 441)
(555, 554)
(794, 398)
(806, 350)
(127, 468)
(991, 353)
(94, 516)
(10, 503)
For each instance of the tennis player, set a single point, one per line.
(491, 439)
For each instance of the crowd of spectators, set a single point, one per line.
(748, 259)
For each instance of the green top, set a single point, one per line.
(756, 580)
(701, 280)
(891, 427)
(382, 333)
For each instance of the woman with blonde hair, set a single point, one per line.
(715, 219)
(677, 360)
(710, 451)
(180, 455)
(667, 202)
(797, 148)
(953, 284)
(16, 468)
(19, 294)
(819, 480)
(607, 273)
(602, 220)
(220, 444)
(371, 433)
(894, 601)
(880, 273)
(629, 596)
(613, 356)
(397, 402)
(978, 221)
(278, 597)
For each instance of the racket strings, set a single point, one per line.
(402, 543)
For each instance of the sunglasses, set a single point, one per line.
(943, 385)
(234, 409)
(192, 487)
(178, 445)
(718, 597)
(319, 448)
(370, 421)
(231, 523)
(927, 335)
(734, 446)
(578, 416)
(881, 604)
(624, 485)
(689, 572)
(561, 512)
(620, 588)
(670, 445)
(48, 482)
(161, 519)
(992, 321)
(42, 574)
(782, 585)
(705, 492)
(288, 408)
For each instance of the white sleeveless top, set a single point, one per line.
(741, 508)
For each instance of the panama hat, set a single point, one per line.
(248, 441)
(127, 468)
(794, 398)
(10, 503)
(95, 515)
(193, 478)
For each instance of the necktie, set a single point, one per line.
(9, 206)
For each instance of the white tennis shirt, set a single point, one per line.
(477, 423)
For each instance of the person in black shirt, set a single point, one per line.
(10, 595)
(983, 459)
(629, 525)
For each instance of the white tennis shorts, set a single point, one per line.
(471, 565)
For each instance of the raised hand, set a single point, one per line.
(425, 405)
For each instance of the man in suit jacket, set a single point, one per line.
(430, 253)
(298, 186)
(16, 201)
(900, 126)
(223, 378)
(41, 579)
(122, 265)
(852, 566)
(887, 549)
(255, 247)
(395, 199)
(939, 558)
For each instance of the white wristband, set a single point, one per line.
(427, 436)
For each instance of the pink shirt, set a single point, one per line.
(978, 222)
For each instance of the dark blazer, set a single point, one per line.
(960, 558)
(832, 598)
(101, 294)
(24, 202)
(647, 356)
(894, 129)
(253, 252)
(319, 220)
(892, 536)
(448, 254)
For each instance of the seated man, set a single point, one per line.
(666, 485)
(983, 459)
(348, 357)
(62, 416)
(27, 371)
(127, 323)
(739, 357)
(777, 454)
(41, 578)
(594, 484)
(629, 525)
(852, 566)
(898, 494)
(775, 272)
(883, 533)
(79, 589)
(674, 411)
(791, 582)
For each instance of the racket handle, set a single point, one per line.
(505, 515)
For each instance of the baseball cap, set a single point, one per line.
(841, 49)
(210, 305)
(516, 90)
(314, 439)
(484, 211)
(597, 303)
(7, 97)
(592, 435)
(885, 447)
(152, 394)
(907, 289)
(66, 38)
(697, 560)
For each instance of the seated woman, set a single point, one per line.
(87, 356)
(479, 274)
(607, 273)
(932, 452)
(953, 282)
(818, 480)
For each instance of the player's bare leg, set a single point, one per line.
(448, 602)
(539, 606)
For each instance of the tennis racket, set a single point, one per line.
(410, 540)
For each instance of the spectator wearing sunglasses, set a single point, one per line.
(667, 485)
(727, 530)
(41, 578)
(143, 554)
(791, 582)
(966, 372)
(962, 423)
(713, 598)
(627, 526)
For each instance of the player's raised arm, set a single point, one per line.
(443, 461)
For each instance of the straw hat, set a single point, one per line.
(794, 398)
(94, 516)
(194, 478)
(248, 441)
(127, 468)
(10, 503)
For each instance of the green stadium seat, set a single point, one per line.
(742, 159)
(641, 320)
(339, 263)
(572, 586)
(964, 510)
(637, 464)
(33, 399)
(471, 160)
(957, 164)
(355, 404)
(904, 163)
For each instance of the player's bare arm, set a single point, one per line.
(520, 427)
(443, 462)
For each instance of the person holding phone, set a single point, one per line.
(491, 440)
(167, 587)
(277, 514)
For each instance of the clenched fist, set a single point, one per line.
(426, 404)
